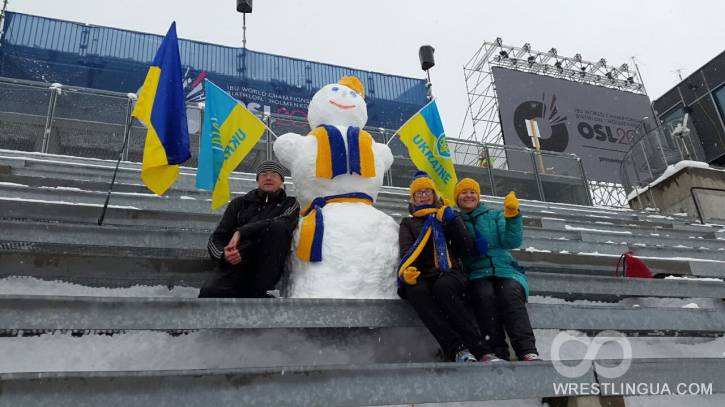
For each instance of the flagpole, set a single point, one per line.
(392, 137)
(409, 119)
(270, 129)
(126, 134)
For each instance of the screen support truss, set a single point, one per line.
(482, 121)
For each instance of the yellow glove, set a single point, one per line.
(510, 205)
(410, 275)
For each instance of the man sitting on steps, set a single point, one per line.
(252, 241)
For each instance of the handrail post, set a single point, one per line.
(55, 91)
(489, 164)
(268, 136)
(587, 192)
(537, 176)
(662, 150)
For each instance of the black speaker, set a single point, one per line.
(426, 57)
(244, 6)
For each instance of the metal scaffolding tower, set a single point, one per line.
(484, 125)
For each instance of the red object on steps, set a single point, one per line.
(632, 267)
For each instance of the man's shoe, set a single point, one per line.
(465, 356)
(530, 356)
(490, 357)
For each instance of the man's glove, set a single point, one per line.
(410, 275)
(445, 214)
(510, 205)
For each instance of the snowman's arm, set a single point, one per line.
(286, 148)
(383, 153)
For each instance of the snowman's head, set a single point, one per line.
(339, 104)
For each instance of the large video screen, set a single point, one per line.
(597, 124)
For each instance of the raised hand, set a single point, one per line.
(510, 205)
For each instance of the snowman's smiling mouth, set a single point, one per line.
(341, 106)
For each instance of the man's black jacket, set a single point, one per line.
(251, 214)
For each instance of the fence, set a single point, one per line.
(83, 122)
(649, 157)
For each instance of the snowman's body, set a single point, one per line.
(359, 246)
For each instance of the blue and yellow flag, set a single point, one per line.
(425, 139)
(228, 134)
(161, 108)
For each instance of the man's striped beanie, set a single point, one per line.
(271, 166)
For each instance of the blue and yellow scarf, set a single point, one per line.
(332, 157)
(309, 247)
(431, 227)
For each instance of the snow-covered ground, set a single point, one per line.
(34, 286)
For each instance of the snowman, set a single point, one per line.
(343, 247)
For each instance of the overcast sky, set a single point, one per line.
(384, 35)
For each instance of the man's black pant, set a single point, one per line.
(439, 304)
(499, 304)
(263, 262)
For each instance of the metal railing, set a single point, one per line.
(649, 157)
(84, 122)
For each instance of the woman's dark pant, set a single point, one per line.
(440, 305)
(499, 304)
(262, 265)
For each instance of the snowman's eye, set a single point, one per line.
(353, 93)
(335, 88)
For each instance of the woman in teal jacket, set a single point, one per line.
(499, 287)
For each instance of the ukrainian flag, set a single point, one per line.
(161, 108)
(228, 134)
(425, 139)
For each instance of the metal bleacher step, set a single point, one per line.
(111, 235)
(180, 236)
(127, 313)
(615, 247)
(118, 267)
(667, 239)
(201, 203)
(349, 385)
(136, 262)
(13, 208)
(600, 288)
(49, 206)
(74, 169)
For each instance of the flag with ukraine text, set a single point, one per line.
(228, 134)
(425, 139)
(161, 108)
